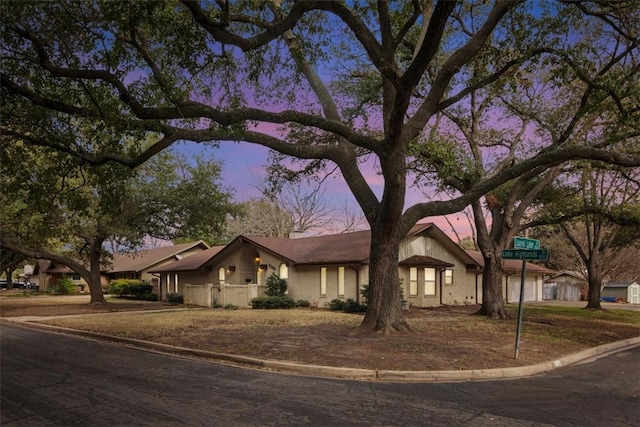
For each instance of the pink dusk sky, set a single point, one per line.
(243, 162)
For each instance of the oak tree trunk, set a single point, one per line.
(384, 305)
(492, 297)
(594, 269)
(93, 279)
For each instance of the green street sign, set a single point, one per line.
(526, 254)
(525, 243)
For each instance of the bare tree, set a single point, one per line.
(610, 228)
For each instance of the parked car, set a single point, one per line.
(16, 285)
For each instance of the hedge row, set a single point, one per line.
(271, 302)
(348, 306)
(129, 288)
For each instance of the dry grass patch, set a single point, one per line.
(27, 303)
(443, 338)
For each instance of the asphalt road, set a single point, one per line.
(51, 379)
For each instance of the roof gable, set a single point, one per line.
(568, 274)
(144, 259)
(190, 263)
(620, 284)
(433, 231)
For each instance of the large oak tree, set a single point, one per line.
(65, 211)
(315, 80)
(500, 124)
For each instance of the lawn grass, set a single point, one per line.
(559, 324)
(624, 316)
(442, 338)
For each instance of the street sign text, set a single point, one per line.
(525, 243)
(526, 254)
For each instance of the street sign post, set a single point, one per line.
(524, 249)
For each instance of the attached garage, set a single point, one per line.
(628, 292)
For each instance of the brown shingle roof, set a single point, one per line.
(345, 248)
(424, 261)
(190, 263)
(336, 248)
(144, 259)
(331, 249)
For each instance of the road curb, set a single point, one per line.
(354, 373)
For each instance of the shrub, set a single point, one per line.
(230, 307)
(175, 299)
(348, 306)
(270, 302)
(336, 305)
(147, 297)
(276, 287)
(303, 303)
(64, 287)
(129, 288)
(352, 306)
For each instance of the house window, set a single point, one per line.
(75, 277)
(221, 275)
(175, 283)
(429, 281)
(413, 281)
(323, 281)
(448, 277)
(283, 271)
(168, 283)
(341, 281)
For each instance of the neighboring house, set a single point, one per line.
(566, 286)
(433, 269)
(47, 274)
(124, 266)
(139, 265)
(512, 269)
(628, 292)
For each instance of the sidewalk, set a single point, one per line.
(343, 373)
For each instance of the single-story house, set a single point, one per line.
(628, 292)
(138, 265)
(566, 286)
(512, 270)
(47, 273)
(433, 269)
